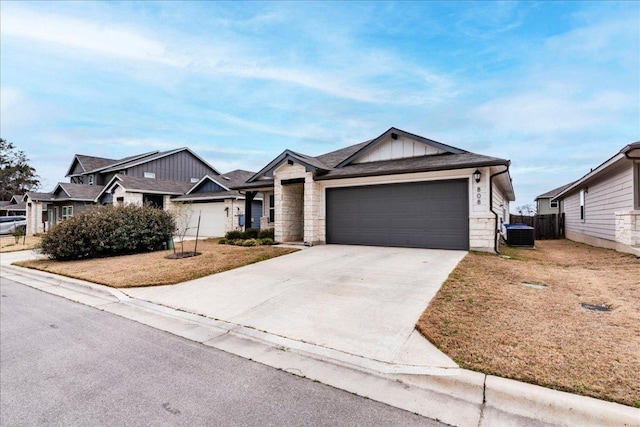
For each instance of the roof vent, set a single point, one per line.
(394, 135)
(226, 177)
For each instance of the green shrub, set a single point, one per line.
(234, 235)
(267, 233)
(222, 241)
(266, 241)
(108, 231)
(238, 242)
(250, 233)
(250, 242)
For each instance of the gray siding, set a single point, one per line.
(181, 166)
(77, 168)
(78, 207)
(611, 193)
(544, 207)
(208, 186)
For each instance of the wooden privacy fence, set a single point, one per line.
(546, 226)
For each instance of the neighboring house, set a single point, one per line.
(398, 189)
(213, 198)
(154, 177)
(545, 203)
(603, 207)
(14, 206)
(37, 211)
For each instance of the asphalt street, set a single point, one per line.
(63, 363)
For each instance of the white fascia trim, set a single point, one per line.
(590, 175)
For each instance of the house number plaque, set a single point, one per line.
(479, 196)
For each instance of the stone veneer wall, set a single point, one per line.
(628, 228)
(289, 201)
(314, 218)
(292, 207)
(482, 233)
(129, 198)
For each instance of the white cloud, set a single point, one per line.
(102, 38)
(345, 77)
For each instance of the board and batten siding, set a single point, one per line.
(400, 148)
(180, 166)
(611, 193)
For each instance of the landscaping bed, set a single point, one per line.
(153, 268)
(486, 320)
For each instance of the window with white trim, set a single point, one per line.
(67, 212)
(582, 202)
(91, 179)
(553, 203)
(150, 175)
(272, 208)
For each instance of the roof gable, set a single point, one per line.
(207, 184)
(397, 144)
(76, 191)
(146, 185)
(311, 164)
(551, 194)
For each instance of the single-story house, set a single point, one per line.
(156, 177)
(69, 199)
(13, 206)
(545, 203)
(398, 189)
(603, 207)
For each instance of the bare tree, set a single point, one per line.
(182, 213)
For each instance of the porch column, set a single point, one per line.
(248, 200)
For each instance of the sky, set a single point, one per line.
(552, 86)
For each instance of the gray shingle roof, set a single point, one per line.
(15, 207)
(554, 192)
(209, 195)
(90, 163)
(414, 164)
(154, 185)
(336, 164)
(34, 195)
(236, 177)
(334, 158)
(78, 191)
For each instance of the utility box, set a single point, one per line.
(521, 235)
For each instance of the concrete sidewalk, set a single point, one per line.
(466, 398)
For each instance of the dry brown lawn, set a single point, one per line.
(152, 269)
(8, 243)
(487, 321)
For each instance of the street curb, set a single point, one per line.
(461, 398)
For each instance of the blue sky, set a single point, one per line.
(552, 86)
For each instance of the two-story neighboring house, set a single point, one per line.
(154, 178)
(545, 203)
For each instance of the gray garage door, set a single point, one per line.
(417, 215)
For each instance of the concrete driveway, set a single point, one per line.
(359, 300)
